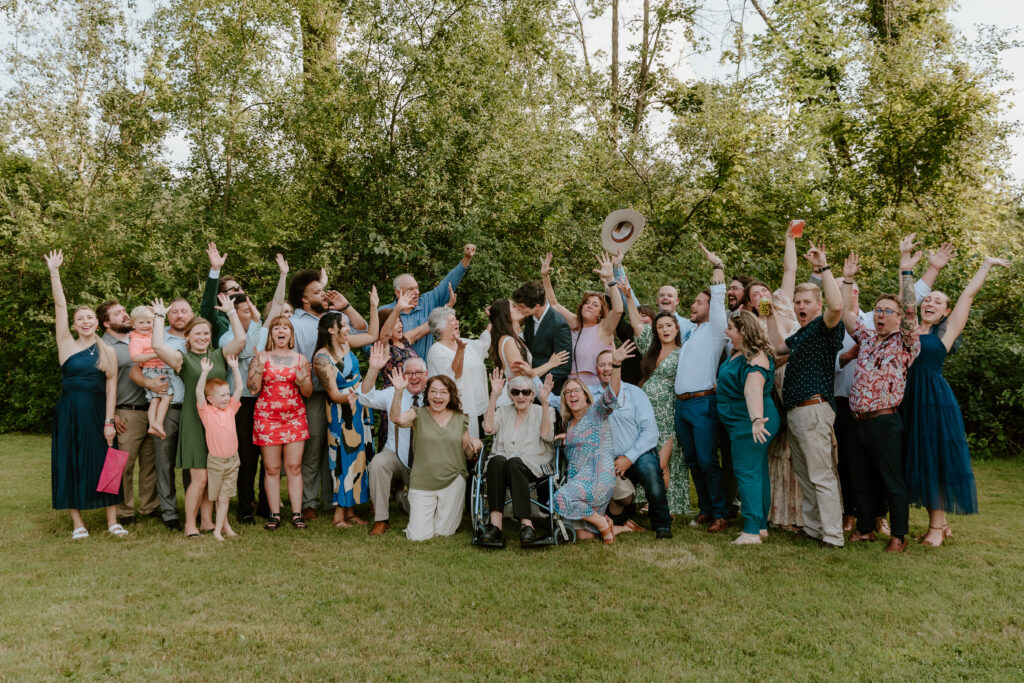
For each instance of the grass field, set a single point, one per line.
(329, 604)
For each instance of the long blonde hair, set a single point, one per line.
(563, 409)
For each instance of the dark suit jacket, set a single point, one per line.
(552, 336)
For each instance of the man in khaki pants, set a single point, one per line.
(809, 401)
(131, 419)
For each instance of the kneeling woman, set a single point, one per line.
(440, 446)
(745, 408)
(523, 450)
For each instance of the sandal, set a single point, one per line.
(273, 521)
(118, 530)
(924, 539)
(607, 532)
(79, 533)
(297, 521)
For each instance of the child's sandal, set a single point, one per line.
(273, 521)
(297, 521)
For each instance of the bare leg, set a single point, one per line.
(936, 528)
(155, 427)
(162, 404)
(293, 469)
(76, 518)
(497, 517)
(352, 517)
(193, 495)
(664, 459)
(222, 518)
(272, 477)
(111, 511)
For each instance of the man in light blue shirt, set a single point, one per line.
(635, 444)
(422, 305)
(696, 410)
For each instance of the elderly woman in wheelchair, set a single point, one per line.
(522, 452)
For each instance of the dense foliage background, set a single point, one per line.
(377, 136)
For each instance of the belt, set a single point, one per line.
(812, 401)
(174, 406)
(129, 406)
(872, 413)
(694, 394)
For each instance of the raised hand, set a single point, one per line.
(627, 350)
(302, 372)
(562, 357)
(54, 260)
(323, 277)
(816, 256)
(545, 265)
(758, 431)
(497, 381)
(404, 303)
(205, 364)
(217, 259)
(158, 307)
(604, 269)
(469, 251)
(626, 290)
(374, 297)
(711, 256)
(226, 303)
(521, 367)
(335, 300)
(851, 266)
(398, 380)
(282, 265)
(379, 356)
(545, 388)
(908, 256)
(232, 361)
(617, 259)
(940, 258)
(451, 296)
(993, 261)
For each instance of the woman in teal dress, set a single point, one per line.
(192, 450)
(748, 413)
(83, 421)
(660, 343)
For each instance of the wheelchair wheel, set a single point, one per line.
(563, 532)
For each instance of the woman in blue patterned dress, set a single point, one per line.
(588, 447)
(348, 422)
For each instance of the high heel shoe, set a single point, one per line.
(924, 539)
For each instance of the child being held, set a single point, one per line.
(140, 348)
(217, 408)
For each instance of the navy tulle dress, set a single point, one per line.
(78, 447)
(938, 462)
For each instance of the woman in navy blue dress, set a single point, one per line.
(83, 421)
(937, 459)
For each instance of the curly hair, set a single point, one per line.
(753, 337)
(454, 403)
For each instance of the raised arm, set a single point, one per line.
(450, 282)
(789, 264)
(227, 306)
(396, 415)
(549, 293)
(610, 321)
(908, 299)
(547, 421)
(208, 304)
(65, 342)
(403, 305)
(850, 306)
(634, 312)
(168, 355)
(627, 350)
(753, 394)
(380, 352)
(775, 334)
(205, 365)
(958, 318)
(236, 377)
(833, 297)
(278, 301)
(372, 332)
(497, 384)
(937, 260)
(716, 308)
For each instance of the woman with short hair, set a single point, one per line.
(461, 359)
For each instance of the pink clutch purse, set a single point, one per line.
(113, 468)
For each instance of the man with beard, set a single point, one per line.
(396, 456)
(131, 419)
(734, 294)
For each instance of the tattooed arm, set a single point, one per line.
(254, 382)
(908, 298)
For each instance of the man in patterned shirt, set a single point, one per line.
(879, 380)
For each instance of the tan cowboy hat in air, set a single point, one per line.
(620, 230)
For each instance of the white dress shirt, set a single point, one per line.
(380, 399)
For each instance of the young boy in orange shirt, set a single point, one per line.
(217, 408)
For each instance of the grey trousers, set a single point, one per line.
(383, 468)
(316, 470)
(139, 445)
(810, 451)
(166, 453)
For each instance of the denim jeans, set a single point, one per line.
(646, 471)
(697, 431)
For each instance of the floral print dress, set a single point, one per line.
(280, 415)
(588, 448)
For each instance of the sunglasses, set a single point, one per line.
(236, 288)
(520, 392)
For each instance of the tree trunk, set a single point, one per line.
(615, 68)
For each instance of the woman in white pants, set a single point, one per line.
(440, 446)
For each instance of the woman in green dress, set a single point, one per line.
(191, 437)
(660, 343)
(748, 413)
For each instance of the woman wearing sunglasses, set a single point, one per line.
(522, 451)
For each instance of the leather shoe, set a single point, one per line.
(527, 535)
(717, 526)
(895, 546)
(308, 515)
(849, 523)
(663, 533)
(125, 521)
(492, 534)
(156, 514)
(858, 536)
(172, 524)
(380, 528)
(700, 520)
(246, 519)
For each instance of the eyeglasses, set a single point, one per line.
(236, 288)
(571, 392)
(412, 373)
(887, 312)
(521, 392)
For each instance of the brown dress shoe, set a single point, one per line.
(717, 526)
(857, 536)
(849, 523)
(895, 546)
(379, 528)
(308, 515)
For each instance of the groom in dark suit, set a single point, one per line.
(544, 329)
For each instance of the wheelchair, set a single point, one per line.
(559, 531)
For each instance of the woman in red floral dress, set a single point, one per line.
(280, 375)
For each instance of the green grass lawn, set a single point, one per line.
(329, 604)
